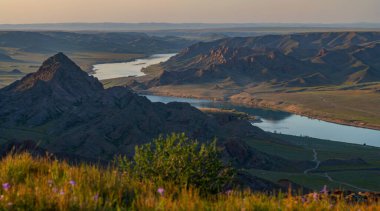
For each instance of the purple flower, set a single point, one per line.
(61, 192)
(96, 197)
(315, 196)
(304, 199)
(324, 190)
(55, 190)
(72, 182)
(161, 191)
(6, 186)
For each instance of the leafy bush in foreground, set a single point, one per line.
(182, 161)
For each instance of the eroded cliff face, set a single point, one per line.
(76, 115)
(309, 59)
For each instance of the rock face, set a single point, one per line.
(308, 59)
(74, 114)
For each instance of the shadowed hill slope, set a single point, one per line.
(76, 115)
(309, 59)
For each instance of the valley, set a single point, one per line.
(190, 105)
(51, 106)
(336, 160)
(287, 153)
(328, 76)
(25, 50)
(355, 105)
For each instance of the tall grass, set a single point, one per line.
(47, 184)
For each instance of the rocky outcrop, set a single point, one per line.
(76, 115)
(308, 59)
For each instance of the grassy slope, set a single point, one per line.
(352, 105)
(300, 148)
(45, 184)
(355, 104)
(292, 148)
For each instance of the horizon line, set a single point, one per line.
(210, 23)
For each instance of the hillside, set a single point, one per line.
(309, 59)
(48, 184)
(61, 100)
(49, 42)
(330, 76)
(25, 50)
(62, 110)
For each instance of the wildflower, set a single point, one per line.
(61, 192)
(55, 190)
(161, 191)
(96, 197)
(304, 200)
(72, 182)
(324, 190)
(6, 186)
(315, 196)
(50, 182)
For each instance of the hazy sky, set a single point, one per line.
(211, 11)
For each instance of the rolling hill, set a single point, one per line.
(49, 42)
(62, 110)
(307, 59)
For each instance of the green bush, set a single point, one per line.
(181, 161)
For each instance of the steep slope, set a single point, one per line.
(78, 117)
(309, 59)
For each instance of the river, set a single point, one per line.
(124, 69)
(271, 121)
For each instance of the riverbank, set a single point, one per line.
(351, 108)
(230, 112)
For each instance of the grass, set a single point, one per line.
(288, 147)
(346, 104)
(300, 148)
(312, 181)
(369, 178)
(47, 184)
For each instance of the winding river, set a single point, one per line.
(271, 121)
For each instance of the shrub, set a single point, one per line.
(181, 161)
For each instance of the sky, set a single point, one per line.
(190, 11)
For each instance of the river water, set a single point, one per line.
(271, 121)
(124, 69)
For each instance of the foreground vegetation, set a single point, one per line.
(44, 183)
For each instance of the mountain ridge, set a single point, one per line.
(311, 58)
(91, 121)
